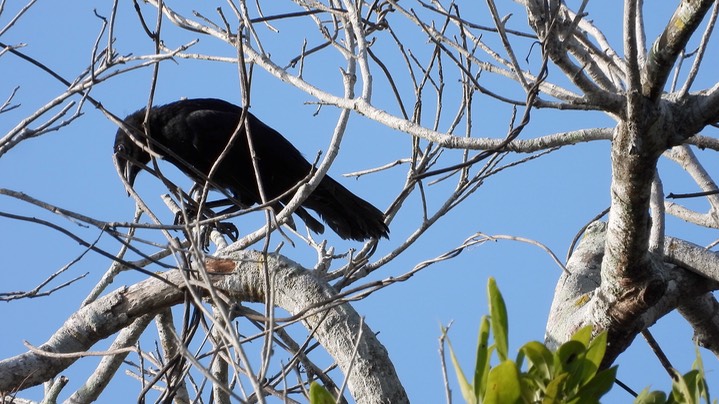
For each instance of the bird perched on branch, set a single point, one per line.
(191, 134)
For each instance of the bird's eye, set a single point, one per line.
(120, 149)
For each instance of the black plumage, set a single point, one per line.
(191, 134)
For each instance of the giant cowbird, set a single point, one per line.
(191, 134)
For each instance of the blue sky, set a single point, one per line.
(547, 200)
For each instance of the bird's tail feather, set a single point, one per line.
(348, 215)
(310, 221)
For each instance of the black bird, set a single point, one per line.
(191, 134)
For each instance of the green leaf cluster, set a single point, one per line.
(688, 388)
(569, 375)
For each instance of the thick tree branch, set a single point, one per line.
(335, 326)
(706, 104)
(702, 313)
(578, 295)
(686, 19)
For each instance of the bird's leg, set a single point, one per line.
(226, 228)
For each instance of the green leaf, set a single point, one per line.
(702, 388)
(540, 359)
(567, 355)
(503, 384)
(654, 397)
(531, 390)
(569, 358)
(583, 369)
(465, 387)
(498, 315)
(555, 389)
(693, 383)
(698, 363)
(481, 368)
(592, 359)
(583, 335)
(680, 389)
(597, 348)
(319, 395)
(597, 386)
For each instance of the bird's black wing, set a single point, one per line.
(199, 130)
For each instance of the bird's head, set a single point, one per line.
(128, 154)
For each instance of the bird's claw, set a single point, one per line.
(225, 228)
(228, 229)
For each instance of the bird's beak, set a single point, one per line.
(130, 173)
(126, 169)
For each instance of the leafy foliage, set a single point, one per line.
(571, 374)
(689, 388)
